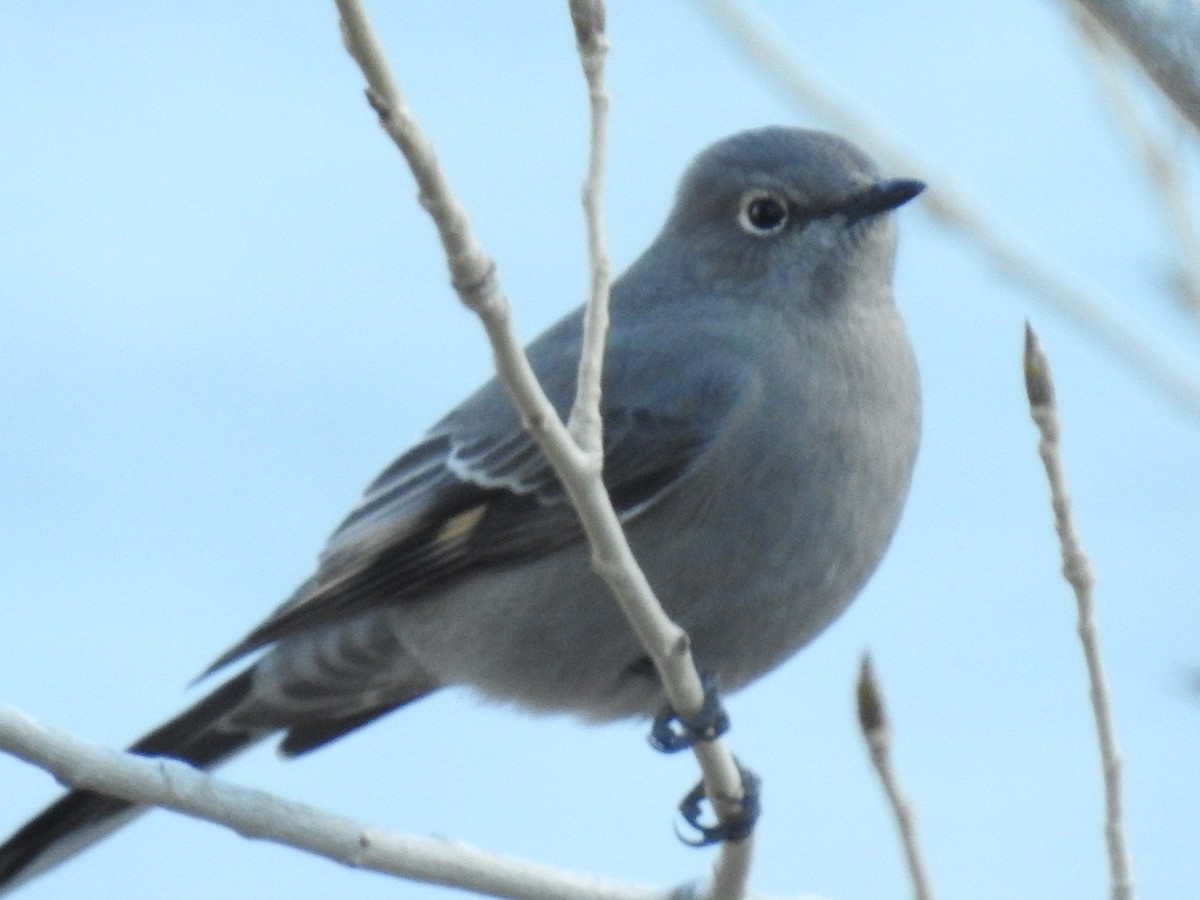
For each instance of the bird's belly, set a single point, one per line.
(549, 636)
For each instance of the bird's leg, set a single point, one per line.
(672, 732)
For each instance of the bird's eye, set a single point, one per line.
(762, 214)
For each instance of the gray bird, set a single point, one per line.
(761, 416)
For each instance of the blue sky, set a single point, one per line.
(224, 313)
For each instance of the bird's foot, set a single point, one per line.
(736, 827)
(672, 732)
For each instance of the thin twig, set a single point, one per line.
(473, 276)
(1078, 572)
(952, 209)
(872, 720)
(584, 421)
(1165, 175)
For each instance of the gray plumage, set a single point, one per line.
(761, 414)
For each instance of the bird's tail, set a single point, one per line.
(202, 735)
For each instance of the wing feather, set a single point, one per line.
(477, 493)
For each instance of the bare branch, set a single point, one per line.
(951, 208)
(473, 276)
(1163, 38)
(256, 814)
(872, 720)
(1077, 570)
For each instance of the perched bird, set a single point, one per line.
(761, 416)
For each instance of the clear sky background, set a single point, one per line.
(222, 313)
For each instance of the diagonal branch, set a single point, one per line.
(174, 785)
(473, 276)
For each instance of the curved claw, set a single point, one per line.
(672, 732)
(736, 828)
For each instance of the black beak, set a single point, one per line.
(893, 192)
(885, 195)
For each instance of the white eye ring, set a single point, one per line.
(762, 213)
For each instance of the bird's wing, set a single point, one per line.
(476, 493)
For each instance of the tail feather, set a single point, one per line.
(304, 737)
(201, 736)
